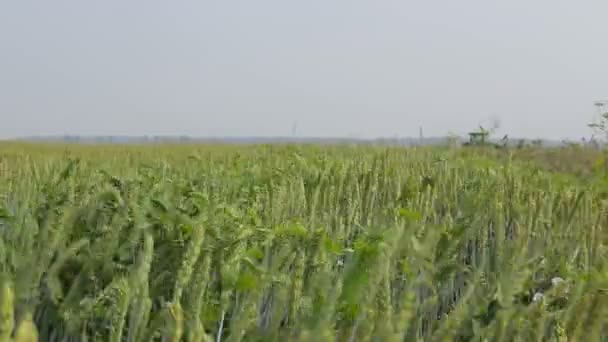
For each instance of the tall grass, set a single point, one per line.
(189, 243)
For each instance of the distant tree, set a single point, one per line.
(600, 125)
(521, 143)
(452, 139)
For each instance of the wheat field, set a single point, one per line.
(296, 243)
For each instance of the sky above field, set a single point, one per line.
(330, 68)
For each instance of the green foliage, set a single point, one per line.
(194, 243)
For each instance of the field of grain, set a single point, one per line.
(296, 243)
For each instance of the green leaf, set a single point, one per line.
(409, 214)
(246, 282)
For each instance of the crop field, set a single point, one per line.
(297, 243)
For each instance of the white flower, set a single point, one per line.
(537, 297)
(556, 281)
(560, 286)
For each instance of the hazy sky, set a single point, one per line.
(339, 68)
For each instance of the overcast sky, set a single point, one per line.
(338, 68)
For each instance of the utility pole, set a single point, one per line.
(294, 129)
